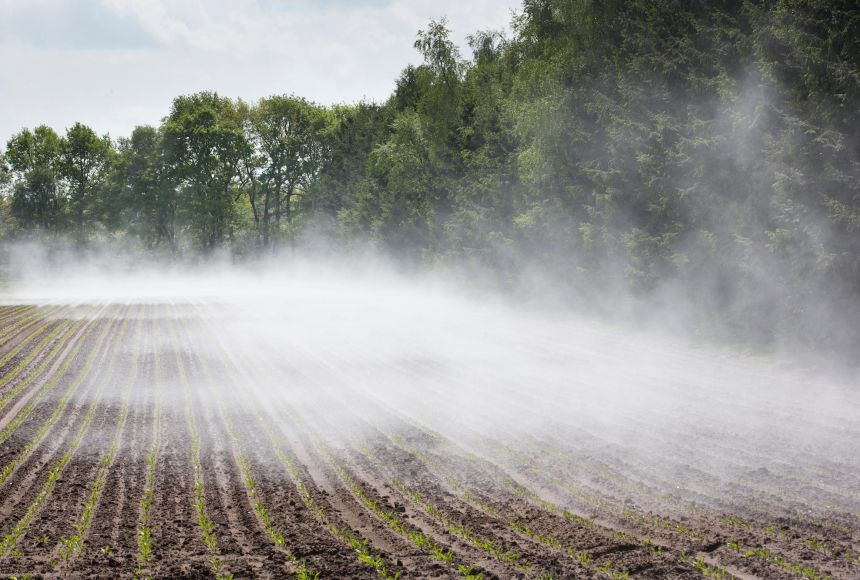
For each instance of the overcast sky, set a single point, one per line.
(114, 64)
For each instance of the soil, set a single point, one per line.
(358, 489)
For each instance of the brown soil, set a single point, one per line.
(342, 490)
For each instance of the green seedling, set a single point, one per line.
(816, 545)
(583, 558)
(652, 546)
(735, 521)
(468, 572)
(709, 571)
(736, 546)
(805, 571)
(70, 546)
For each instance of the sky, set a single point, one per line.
(115, 64)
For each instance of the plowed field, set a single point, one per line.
(142, 440)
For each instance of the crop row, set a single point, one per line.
(360, 546)
(72, 545)
(63, 333)
(60, 406)
(204, 521)
(300, 568)
(579, 555)
(421, 540)
(10, 328)
(145, 554)
(56, 471)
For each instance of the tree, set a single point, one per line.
(5, 174)
(397, 206)
(356, 131)
(204, 145)
(84, 162)
(5, 198)
(290, 139)
(439, 99)
(33, 158)
(144, 188)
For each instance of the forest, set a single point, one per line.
(698, 153)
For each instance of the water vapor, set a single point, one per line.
(360, 350)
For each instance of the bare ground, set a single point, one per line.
(254, 486)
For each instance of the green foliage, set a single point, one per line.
(84, 162)
(143, 194)
(204, 143)
(289, 137)
(709, 571)
(33, 160)
(397, 207)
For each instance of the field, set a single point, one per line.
(170, 439)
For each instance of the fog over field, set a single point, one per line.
(350, 344)
(411, 420)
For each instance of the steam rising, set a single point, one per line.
(361, 351)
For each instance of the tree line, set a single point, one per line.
(711, 148)
(213, 171)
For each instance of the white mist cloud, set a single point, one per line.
(353, 346)
(117, 63)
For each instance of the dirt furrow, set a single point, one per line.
(23, 482)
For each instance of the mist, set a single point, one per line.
(403, 389)
(358, 348)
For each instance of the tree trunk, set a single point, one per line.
(277, 215)
(252, 193)
(266, 213)
(287, 208)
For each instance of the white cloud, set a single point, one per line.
(328, 50)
